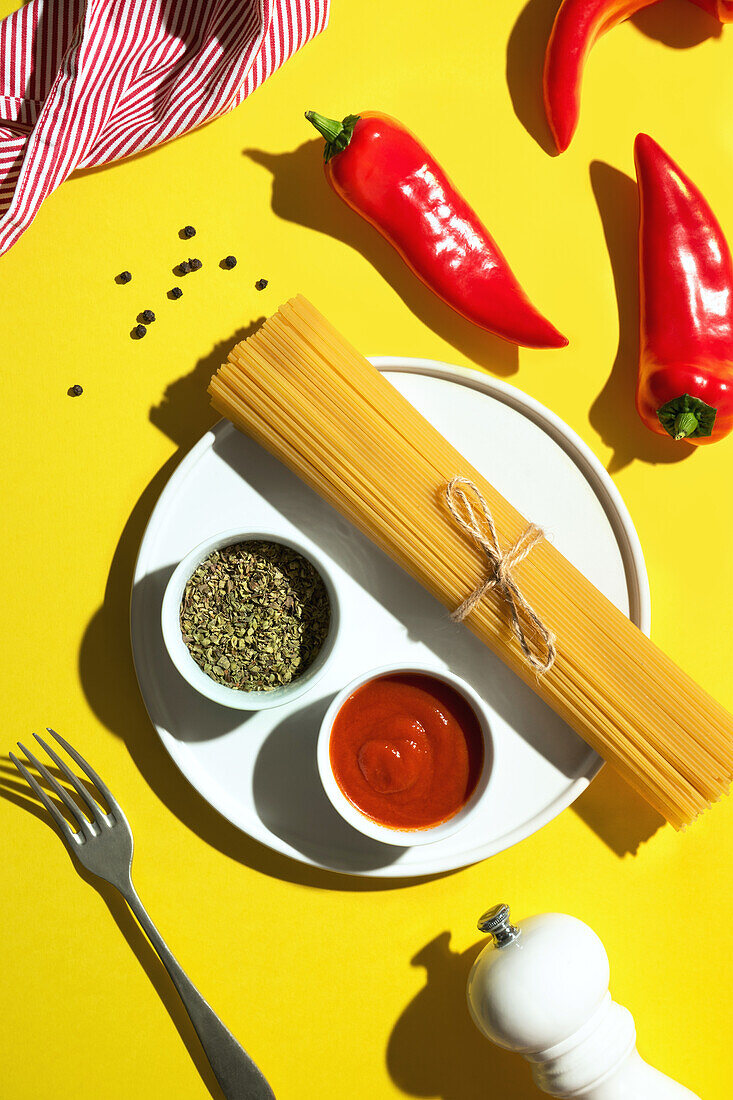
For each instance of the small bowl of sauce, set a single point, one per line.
(404, 754)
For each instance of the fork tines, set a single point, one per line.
(86, 828)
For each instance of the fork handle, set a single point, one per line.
(237, 1074)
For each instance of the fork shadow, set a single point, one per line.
(19, 794)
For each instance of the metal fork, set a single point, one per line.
(104, 846)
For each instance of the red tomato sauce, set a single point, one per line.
(407, 750)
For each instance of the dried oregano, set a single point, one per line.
(254, 615)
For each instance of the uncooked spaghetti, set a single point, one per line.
(299, 389)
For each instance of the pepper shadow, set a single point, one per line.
(613, 413)
(15, 790)
(436, 1050)
(525, 59)
(301, 195)
(106, 667)
(678, 24)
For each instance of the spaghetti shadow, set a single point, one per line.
(613, 413)
(301, 195)
(615, 812)
(183, 413)
(435, 1048)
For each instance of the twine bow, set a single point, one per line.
(481, 528)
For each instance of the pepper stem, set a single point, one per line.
(685, 424)
(687, 417)
(337, 134)
(328, 128)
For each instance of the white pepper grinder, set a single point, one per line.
(542, 990)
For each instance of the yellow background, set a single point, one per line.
(342, 988)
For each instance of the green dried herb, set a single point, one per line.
(254, 615)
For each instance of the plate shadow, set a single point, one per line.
(107, 673)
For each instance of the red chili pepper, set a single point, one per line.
(385, 174)
(685, 386)
(578, 25)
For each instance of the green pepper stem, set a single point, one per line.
(337, 134)
(685, 424)
(687, 417)
(328, 128)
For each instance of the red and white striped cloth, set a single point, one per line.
(84, 82)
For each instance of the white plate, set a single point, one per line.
(259, 769)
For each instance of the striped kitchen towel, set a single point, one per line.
(84, 82)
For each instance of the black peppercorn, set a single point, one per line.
(195, 264)
(187, 232)
(75, 391)
(261, 284)
(175, 292)
(230, 262)
(124, 277)
(147, 316)
(184, 267)
(139, 331)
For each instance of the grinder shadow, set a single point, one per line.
(436, 1050)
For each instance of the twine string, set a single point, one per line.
(477, 521)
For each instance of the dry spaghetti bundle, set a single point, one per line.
(309, 398)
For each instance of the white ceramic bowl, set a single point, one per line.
(184, 662)
(404, 838)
